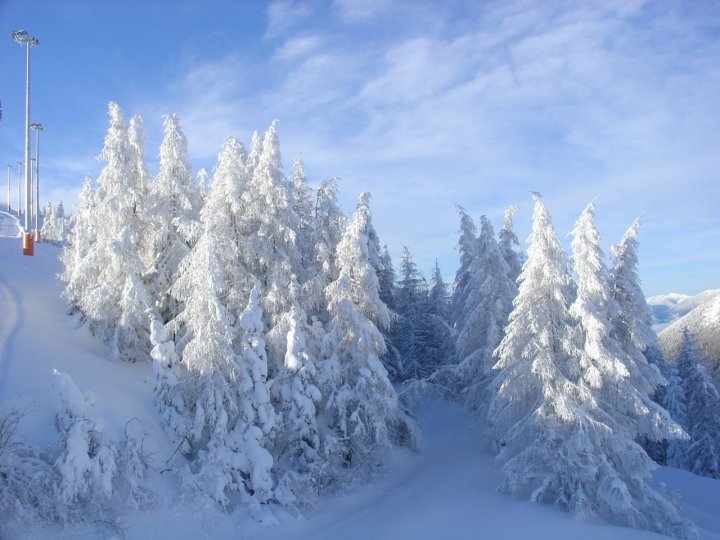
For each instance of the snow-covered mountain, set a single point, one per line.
(703, 322)
(668, 308)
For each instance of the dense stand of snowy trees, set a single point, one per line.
(259, 303)
(279, 330)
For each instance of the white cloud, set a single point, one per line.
(298, 46)
(283, 15)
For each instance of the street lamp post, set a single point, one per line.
(38, 128)
(9, 167)
(23, 38)
(20, 164)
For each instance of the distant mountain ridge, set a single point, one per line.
(668, 308)
(703, 322)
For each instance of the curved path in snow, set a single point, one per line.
(9, 305)
(9, 325)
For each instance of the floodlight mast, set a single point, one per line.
(19, 208)
(38, 128)
(9, 168)
(23, 38)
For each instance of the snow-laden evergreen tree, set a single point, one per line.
(616, 378)
(202, 181)
(410, 302)
(270, 250)
(225, 393)
(297, 397)
(466, 244)
(88, 460)
(55, 225)
(632, 320)
(702, 416)
(555, 440)
(173, 213)
(674, 401)
(441, 339)
(77, 270)
(328, 226)
(508, 241)
(112, 264)
(490, 293)
(361, 408)
(253, 158)
(303, 196)
(226, 215)
(438, 297)
(136, 140)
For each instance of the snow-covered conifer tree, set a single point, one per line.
(227, 216)
(87, 463)
(173, 213)
(410, 302)
(302, 196)
(702, 416)
(603, 364)
(490, 290)
(329, 224)
(112, 264)
(361, 408)
(675, 402)
(270, 252)
(225, 395)
(438, 297)
(556, 441)
(466, 244)
(508, 241)
(297, 396)
(632, 321)
(80, 239)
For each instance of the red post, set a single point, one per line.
(28, 245)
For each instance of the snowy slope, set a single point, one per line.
(447, 490)
(667, 308)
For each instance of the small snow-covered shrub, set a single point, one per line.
(88, 458)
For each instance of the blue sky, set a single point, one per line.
(424, 104)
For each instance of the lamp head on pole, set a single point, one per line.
(36, 126)
(23, 38)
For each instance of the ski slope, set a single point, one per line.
(446, 491)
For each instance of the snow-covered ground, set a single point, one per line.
(446, 490)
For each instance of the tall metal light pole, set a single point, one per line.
(9, 167)
(20, 164)
(38, 128)
(23, 38)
